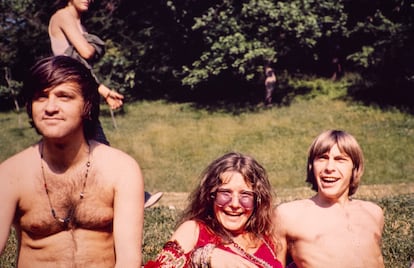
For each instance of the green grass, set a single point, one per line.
(174, 142)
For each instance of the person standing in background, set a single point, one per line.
(69, 37)
(270, 83)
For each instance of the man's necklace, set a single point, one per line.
(71, 211)
(252, 257)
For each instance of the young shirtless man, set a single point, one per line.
(331, 229)
(73, 202)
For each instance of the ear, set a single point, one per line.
(310, 166)
(87, 110)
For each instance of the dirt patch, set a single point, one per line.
(178, 199)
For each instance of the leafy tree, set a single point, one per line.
(23, 39)
(163, 48)
(382, 34)
(241, 36)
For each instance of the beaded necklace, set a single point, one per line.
(252, 257)
(69, 216)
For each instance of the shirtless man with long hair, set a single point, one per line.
(74, 202)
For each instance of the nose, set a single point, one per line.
(234, 203)
(51, 105)
(330, 164)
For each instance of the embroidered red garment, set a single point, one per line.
(172, 254)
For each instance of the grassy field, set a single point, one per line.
(173, 142)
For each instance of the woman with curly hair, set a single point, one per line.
(231, 209)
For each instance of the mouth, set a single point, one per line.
(233, 214)
(329, 179)
(51, 120)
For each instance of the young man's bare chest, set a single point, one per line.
(65, 201)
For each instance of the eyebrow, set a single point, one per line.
(230, 190)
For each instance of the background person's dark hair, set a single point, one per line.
(58, 4)
(53, 71)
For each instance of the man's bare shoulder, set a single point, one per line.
(293, 210)
(364, 203)
(23, 158)
(109, 153)
(114, 163)
(295, 205)
(368, 207)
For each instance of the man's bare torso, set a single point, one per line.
(86, 239)
(334, 236)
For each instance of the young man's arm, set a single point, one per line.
(280, 234)
(8, 201)
(128, 212)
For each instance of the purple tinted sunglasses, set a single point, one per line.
(223, 197)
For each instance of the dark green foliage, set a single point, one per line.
(177, 48)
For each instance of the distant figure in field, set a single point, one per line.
(270, 83)
(336, 66)
(336, 69)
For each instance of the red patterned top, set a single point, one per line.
(172, 255)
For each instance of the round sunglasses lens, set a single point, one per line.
(247, 202)
(222, 199)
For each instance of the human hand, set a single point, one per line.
(114, 99)
(222, 259)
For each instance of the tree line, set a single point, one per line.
(188, 49)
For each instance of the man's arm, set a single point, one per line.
(128, 211)
(280, 234)
(8, 201)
